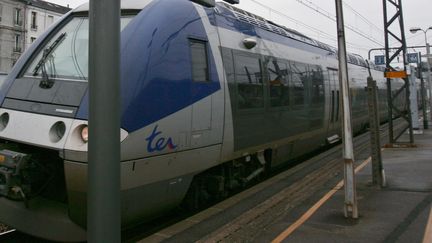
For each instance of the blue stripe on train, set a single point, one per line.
(156, 79)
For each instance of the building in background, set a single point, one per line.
(21, 22)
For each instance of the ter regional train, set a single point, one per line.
(212, 98)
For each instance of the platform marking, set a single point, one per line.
(428, 233)
(7, 232)
(315, 207)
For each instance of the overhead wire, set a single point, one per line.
(297, 22)
(330, 16)
(321, 33)
(380, 30)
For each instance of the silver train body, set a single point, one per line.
(211, 99)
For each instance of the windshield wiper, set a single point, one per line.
(46, 83)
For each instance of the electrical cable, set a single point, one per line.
(380, 30)
(328, 15)
(321, 33)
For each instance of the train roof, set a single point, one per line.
(260, 22)
(253, 19)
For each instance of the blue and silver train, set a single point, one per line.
(211, 98)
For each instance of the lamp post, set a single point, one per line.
(414, 30)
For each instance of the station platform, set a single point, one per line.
(305, 203)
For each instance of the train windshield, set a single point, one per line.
(65, 55)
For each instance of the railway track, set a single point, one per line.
(318, 170)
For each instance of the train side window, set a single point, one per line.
(199, 55)
(316, 96)
(317, 88)
(332, 106)
(299, 80)
(279, 89)
(337, 105)
(249, 81)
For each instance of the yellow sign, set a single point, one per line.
(396, 74)
(2, 159)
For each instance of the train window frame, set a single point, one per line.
(286, 103)
(258, 58)
(204, 44)
(56, 29)
(298, 84)
(318, 84)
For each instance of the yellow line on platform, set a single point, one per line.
(315, 207)
(428, 232)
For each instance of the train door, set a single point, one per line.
(207, 114)
(333, 134)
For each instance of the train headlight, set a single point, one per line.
(4, 120)
(57, 131)
(84, 133)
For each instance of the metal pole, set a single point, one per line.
(348, 150)
(389, 85)
(103, 217)
(428, 75)
(423, 93)
(413, 99)
(374, 124)
(392, 48)
(407, 82)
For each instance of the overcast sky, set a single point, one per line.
(364, 17)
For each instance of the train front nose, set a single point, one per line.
(33, 195)
(41, 218)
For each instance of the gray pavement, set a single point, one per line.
(396, 213)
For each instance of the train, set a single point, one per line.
(212, 98)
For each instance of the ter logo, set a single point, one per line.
(158, 143)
